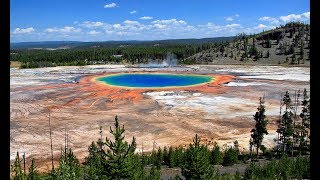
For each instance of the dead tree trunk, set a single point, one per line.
(24, 163)
(279, 125)
(19, 162)
(51, 141)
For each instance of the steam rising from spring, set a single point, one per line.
(170, 60)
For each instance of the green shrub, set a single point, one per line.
(230, 157)
(285, 168)
(216, 155)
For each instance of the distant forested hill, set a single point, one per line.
(78, 44)
(287, 44)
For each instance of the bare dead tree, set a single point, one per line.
(142, 148)
(51, 140)
(100, 132)
(279, 125)
(24, 163)
(294, 122)
(19, 162)
(100, 141)
(295, 130)
(251, 146)
(300, 129)
(154, 145)
(65, 141)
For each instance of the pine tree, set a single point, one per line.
(293, 57)
(267, 54)
(282, 48)
(177, 177)
(236, 146)
(153, 158)
(33, 173)
(231, 55)
(268, 43)
(305, 117)
(197, 164)
(216, 155)
(301, 53)
(154, 174)
(179, 156)
(144, 159)
(94, 163)
(290, 50)
(230, 157)
(285, 129)
(260, 126)
(171, 157)
(69, 166)
(138, 168)
(18, 174)
(165, 156)
(159, 158)
(118, 154)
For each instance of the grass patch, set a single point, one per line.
(15, 64)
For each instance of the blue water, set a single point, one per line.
(154, 80)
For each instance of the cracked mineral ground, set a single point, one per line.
(220, 111)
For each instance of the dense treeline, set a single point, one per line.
(131, 54)
(116, 159)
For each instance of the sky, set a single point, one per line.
(106, 20)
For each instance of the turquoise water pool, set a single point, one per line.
(139, 80)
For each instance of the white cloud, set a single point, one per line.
(284, 19)
(66, 29)
(121, 33)
(109, 32)
(295, 17)
(232, 25)
(306, 15)
(23, 31)
(269, 19)
(210, 26)
(117, 26)
(169, 21)
(90, 24)
(146, 17)
(112, 5)
(261, 26)
(266, 18)
(214, 30)
(160, 26)
(131, 22)
(231, 18)
(133, 12)
(94, 32)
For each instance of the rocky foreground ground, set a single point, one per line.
(220, 112)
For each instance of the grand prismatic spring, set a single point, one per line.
(215, 101)
(138, 80)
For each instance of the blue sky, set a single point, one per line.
(104, 20)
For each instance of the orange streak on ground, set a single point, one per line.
(41, 87)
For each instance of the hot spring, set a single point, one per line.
(139, 80)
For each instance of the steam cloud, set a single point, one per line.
(170, 60)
